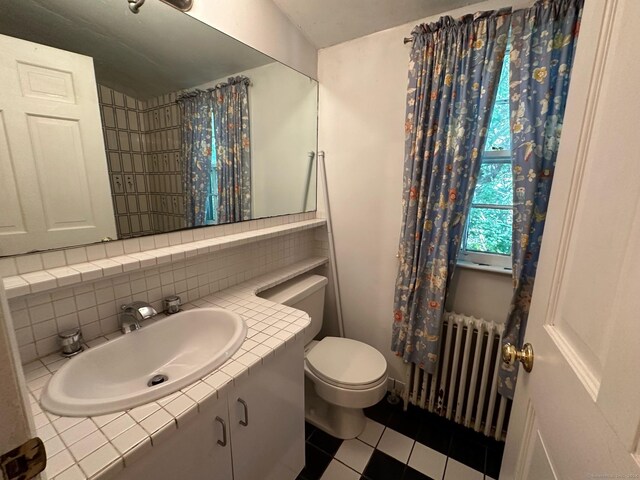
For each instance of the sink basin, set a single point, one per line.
(145, 365)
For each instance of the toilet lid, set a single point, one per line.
(346, 362)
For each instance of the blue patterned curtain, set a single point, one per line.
(233, 148)
(196, 109)
(543, 42)
(454, 71)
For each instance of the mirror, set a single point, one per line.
(118, 125)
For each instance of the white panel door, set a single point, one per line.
(577, 414)
(54, 185)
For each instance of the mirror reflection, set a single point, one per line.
(114, 125)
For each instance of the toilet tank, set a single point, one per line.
(306, 293)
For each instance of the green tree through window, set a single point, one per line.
(211, 212)
(488, 227)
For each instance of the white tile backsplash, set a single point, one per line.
(29, 263)
(95, 303)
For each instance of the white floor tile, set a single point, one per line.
(355, 454)
(396, 445)
(372, 432)
(459, 471)
(338, 471)
(428, 461)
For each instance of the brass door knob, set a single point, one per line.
(510, 354)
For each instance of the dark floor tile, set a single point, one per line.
(408, 423)
(381, 411)
(436, 432)
(316, 462)
(308, 430)
(383, 467)
(411, 474)
(494, 458)
(466, 449)
(470, 434)
(325, 442)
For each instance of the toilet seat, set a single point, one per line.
(347, 363)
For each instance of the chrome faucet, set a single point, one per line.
(133, 313)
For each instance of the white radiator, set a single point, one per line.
(465, 387)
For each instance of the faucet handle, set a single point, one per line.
(71, 342)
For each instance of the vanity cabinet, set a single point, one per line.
(266, 413)
(254, 432)
(195, 451)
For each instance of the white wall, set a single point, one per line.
(361, 129)
(284, 123)
(261, 25)
(480, 293)
(283, 113)
(14, 419)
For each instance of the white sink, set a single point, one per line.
(114, 376)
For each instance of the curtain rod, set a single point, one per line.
(483, 14)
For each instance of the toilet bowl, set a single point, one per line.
(342, 376)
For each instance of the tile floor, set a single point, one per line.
(398, 445)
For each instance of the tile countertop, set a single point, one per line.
(81, 448)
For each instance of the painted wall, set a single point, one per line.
(283, 108)
(361, 129)
(261, 25)
(14, 423)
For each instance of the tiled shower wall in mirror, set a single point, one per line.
(142, 140)
(161, 143)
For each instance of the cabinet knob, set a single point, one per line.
(223, 442)
(244, 422)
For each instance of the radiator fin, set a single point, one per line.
(465, 386)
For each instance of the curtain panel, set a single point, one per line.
(196, 109)
(233, 149)
(454, 71)
(543, 43)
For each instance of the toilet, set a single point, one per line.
(342, 376)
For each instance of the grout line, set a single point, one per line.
(446, 464)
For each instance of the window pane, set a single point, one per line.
(503, 86)
(499, 134)
(211, 211)
(489, 230)
(495, 184)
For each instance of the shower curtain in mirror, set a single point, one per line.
(454, 71)
(233, 149)
(196, 109)
(543, 42)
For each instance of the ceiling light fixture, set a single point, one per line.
(182, 5)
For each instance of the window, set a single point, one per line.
(211, 211)
(487, 235)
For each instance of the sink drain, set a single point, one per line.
(157, 380)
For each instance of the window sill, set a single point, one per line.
(485, 268)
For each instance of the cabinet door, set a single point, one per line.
(266, 410)
(197, 451)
